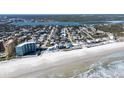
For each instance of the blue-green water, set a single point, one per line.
(46, 23)
(64, 23)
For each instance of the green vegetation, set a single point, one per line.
(86, 18)
(3, 58)
(5, 28)
(116, 29)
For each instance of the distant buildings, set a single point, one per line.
(49, 35)
(25, 48)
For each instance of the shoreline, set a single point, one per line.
(61, 63)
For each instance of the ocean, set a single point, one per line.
(111, 66)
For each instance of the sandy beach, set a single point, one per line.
(58, 64)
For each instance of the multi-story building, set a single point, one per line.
(25, 48)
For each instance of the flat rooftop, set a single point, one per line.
(24, 44)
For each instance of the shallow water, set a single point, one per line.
(111, 66)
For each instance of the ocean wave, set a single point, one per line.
(111, 66)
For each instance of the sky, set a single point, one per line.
(61, 6)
